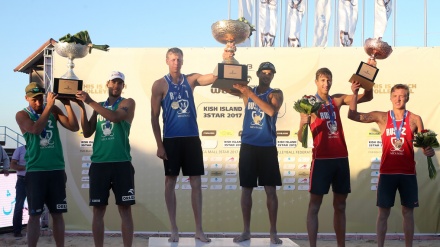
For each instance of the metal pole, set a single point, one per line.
(426, 24)
(335, 29)
(363, 23)
(281, 22)
(394, 22)
(307, 21)
(229, 9)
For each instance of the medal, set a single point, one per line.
(398, 144)
(333, 127)
(175, 105)
(44, 142)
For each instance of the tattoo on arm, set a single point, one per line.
(367, 117)
(125, 109)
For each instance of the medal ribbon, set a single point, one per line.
(106, 104)
(398, 131)
(329, 108)
(37, 116)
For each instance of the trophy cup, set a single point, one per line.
(367, 72)
(230, 72)
(69, 83)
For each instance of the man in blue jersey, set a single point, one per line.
(111, 159)
(258, 152)
(180, 147)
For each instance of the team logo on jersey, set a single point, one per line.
(397, 144)
(257, 117)
(47, 139)
(332, 127)
(107, 129)
(183, 106)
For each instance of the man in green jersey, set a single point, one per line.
(45, 175)
(111, 160)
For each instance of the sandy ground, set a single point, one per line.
(77, 240)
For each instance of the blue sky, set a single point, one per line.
(27, 24)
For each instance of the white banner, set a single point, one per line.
(295, 14)
(382, 12)
(347, 16)
(246, 9)
(322, 20)
(267, 25)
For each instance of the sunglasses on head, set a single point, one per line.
(37, 90)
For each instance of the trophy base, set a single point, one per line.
(365, 83)
(67, 88)
(227, 83)
(230, 74)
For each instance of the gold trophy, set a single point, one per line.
(367, 72)
(230, 72)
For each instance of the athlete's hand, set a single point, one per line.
(161, 153)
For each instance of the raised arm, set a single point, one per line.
(345, 99)
(88, 126)
(70, 121)
(27, 125)
(125, 111)
(378, 117)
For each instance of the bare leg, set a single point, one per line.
(170, 200)
(196, 201)
(339, 220)
(408, 225)
(381, 225)
(312, 218)
(33, 230)
(272, 208)
(98, 225)
(126, 224)
(246, 207)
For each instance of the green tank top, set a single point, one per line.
(111, 142)
(44, 151)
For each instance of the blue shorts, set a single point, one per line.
(326, 172)
(118, 176)
(388, 185)
(185, 153)
(46, 187)
(259, 165)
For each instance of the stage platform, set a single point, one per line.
(223, 242)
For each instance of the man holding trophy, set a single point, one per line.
(180, 147)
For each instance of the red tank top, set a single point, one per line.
(397, 157)
(328, 140)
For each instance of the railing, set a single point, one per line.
(7, 133)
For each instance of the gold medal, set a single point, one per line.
(175, 105)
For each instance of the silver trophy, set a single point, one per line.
(71, 51)
(367, 72)
(230, 32)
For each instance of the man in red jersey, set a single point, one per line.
(397, 166)
(330, 157)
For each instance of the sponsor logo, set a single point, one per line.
(85, 172)
(230, 180)
(85, 186)
(230, 187)
(128, 198)
(216, 159)
(303, 187)
(230, 173)
(374, 180)
(209, 132)
(131, 191)
(304, 166)
(373, 187)
(95, 200)
(288, 180)
(375, 173)
(231, 166)
(204, 180)
(216, 166)
(216, 173)
(289, 159)
(289, 187)
(289, 173)
(186, 187)
(61, 206)
(303, 180)
(304, 159)
(216, 187)
(85, 179)
(216, 180)
(289, 166)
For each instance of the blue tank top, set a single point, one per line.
(179, 111)
(259, 128)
